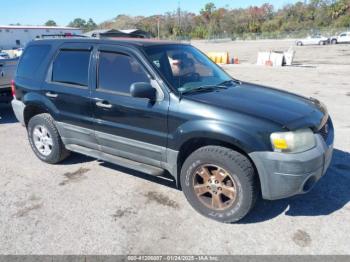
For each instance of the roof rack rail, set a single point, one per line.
(60, 36)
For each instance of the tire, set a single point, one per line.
(299, 43)
(233, 166)
(48, 148)
(322, 43)
(334, 41)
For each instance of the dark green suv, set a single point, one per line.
(165, 107)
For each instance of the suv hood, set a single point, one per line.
(289, 110)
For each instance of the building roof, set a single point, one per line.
(100, 31)
(130, 31)
(37, 27)
(120, 32)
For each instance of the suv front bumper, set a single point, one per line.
(283, 175)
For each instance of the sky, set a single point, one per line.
(37, 12)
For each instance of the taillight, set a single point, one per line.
(13, 88)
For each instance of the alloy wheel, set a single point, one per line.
(42, 140)
(214, 187)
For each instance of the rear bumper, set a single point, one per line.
(18, 109)
(283, 175)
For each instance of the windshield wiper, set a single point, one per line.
(231, 82)
(224, 85)
(204, 89)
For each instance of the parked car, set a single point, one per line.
(341, 38)
(162, 107)
(4, 55)
(312, 40)
(18, 52)
(7, 72)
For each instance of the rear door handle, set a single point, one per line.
(51, 95)
(103, 104)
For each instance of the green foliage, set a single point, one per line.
(296, 19)
(50, 23)
(84, 25)
(343, 21)
(90, 25)
(199, 32)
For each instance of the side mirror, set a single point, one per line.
(143, 90)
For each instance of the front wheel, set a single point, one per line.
(334, 41)
(219, 183)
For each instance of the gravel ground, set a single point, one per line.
(85, 206)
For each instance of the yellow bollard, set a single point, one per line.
(219, 57)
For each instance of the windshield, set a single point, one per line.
(186, 68)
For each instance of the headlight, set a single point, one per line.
(293, 142)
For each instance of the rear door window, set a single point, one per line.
(72, 67)
(118, 71)
(31, 60)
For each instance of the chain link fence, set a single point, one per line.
(327, 32)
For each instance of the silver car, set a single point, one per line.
(312, 40)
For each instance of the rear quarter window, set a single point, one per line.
(31, 60)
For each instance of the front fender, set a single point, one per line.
(212, 129)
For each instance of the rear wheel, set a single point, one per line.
(219, 183)
(299, 43)
(334, 41)
(45, 139)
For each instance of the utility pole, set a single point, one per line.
(158, 27)
(179, 15)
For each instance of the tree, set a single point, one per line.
(90, 25)
(208, 10)
(297, 18)
(50, 23)
(82, 24)
(78, 22)
(124, 22)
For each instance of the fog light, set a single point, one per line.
(309, 184)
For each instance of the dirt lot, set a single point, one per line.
(84, 206)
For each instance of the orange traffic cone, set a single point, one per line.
(268, 63)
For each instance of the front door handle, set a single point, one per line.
(51, 95)
(104, 104)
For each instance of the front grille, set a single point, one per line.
(324, 131)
